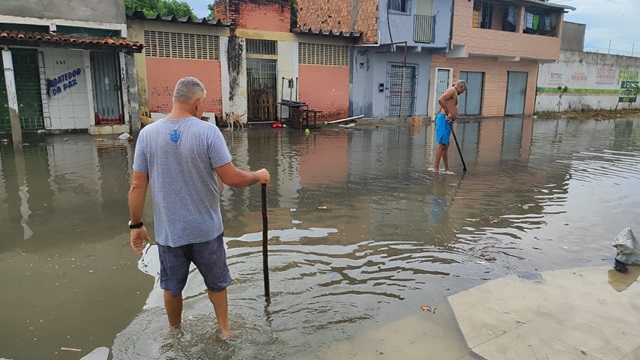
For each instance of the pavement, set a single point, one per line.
(581, 313)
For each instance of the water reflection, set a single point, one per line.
(362, 233)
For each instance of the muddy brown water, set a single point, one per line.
(362, 235)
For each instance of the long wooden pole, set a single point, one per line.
(265, 239)
(464, 166)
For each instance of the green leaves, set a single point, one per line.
(163, 7)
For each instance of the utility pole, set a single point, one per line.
(609, 51)
(633, 47)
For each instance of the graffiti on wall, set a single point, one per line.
(579, 78)
(161, 98)
(555, 79)
(606, 76)
(62, 83)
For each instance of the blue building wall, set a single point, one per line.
(401, 25)
(369, 69)
(369, 64)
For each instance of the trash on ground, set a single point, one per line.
(345, 120)
(426, 308)
(124, 136)
(627, 247)
(70, 349)
(322, 208)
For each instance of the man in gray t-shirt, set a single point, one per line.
(179, 157)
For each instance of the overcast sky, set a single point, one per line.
(617, 21)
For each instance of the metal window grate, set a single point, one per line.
(262, 47)
(401, 93)
(423, 28)
(181, 45)
(323, 54)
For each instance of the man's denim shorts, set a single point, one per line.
(209, 257)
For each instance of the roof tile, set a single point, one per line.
(75, 39)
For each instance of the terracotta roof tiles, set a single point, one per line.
(35, 37)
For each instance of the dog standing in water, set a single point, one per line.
(233, 118)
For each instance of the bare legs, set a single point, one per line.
(442, 152)
(173, 306)
(221, 308)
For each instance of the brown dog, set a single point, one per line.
(233, 118)
(416, 124)
(145, 116)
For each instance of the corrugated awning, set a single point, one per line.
(342, 34)
(27, 38)
(139, 15)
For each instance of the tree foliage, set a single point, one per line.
(163, 7)
(212, 15)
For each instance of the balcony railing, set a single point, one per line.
(423, 28)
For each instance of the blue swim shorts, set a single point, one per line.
(443, 129)
(209, 257)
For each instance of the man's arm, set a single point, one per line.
(237, 178)
(137, 194)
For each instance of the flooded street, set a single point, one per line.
(362, 233)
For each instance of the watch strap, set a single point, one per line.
(136, 226)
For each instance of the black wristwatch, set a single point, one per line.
(136, 226)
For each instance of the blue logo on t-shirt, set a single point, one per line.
(174, 136)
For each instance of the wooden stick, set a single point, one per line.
(464, 166)
(265, 239)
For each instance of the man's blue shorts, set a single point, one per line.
(443, 129)
(209, 257)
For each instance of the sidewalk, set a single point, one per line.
(584, 313)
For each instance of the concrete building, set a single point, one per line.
(497, 47)
(250, 59)
(391, 64)
(65, 67)
(582, 81)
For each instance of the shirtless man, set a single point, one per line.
(447, 113)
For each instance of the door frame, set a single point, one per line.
(120, 75)
(432, 89)
(506, 99)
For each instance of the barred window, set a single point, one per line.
(181, 46)
(323, 54)
(262, 47)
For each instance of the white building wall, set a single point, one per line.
(593, 82)
(287, 68)
(67, 93)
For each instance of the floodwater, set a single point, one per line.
(362, 234)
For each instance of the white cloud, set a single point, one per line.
(614, 21)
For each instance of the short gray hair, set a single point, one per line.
(461, 83)
(187, 90)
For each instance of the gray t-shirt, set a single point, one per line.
(180, 157)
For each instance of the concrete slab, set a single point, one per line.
(584, 313)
